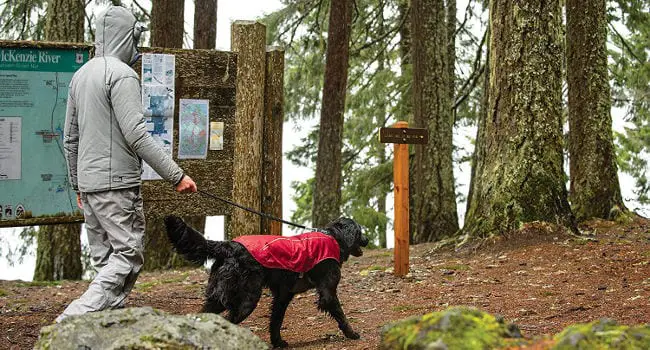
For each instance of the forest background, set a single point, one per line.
(378, 67)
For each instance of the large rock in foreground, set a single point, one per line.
(454, 328)
(146, 328)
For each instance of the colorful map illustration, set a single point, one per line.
(193, 125)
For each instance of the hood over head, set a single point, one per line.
(117, 34)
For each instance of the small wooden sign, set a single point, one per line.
(406, 135)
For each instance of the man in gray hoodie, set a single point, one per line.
(105, 142)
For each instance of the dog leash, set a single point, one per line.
(264, 215)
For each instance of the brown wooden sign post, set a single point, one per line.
(401, 135)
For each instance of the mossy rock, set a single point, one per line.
(454, 328)
(146, 328)
(603, 334)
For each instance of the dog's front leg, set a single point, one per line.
(281, 299)
(328, 301)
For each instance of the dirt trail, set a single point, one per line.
(539, 279)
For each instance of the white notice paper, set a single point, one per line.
(158, 93)
(10, 148)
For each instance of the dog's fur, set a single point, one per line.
(236, 278)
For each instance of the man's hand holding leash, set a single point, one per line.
(186, 185)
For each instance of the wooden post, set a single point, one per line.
(272, 140)
(401, 135)
(401, 183)
(248, 40)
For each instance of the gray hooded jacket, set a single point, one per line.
(105, 135)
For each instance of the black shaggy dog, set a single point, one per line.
(236, 278)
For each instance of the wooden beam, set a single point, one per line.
(248, 40)
(401, 183)
(272, 140)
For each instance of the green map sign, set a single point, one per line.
(34, 187)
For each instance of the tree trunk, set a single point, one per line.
(272, 141)
(327, 192)
(248, 40)
(595, 190)
(58, 254)
(519, 176)
(64, 21)
(434, 192)
(205, 24)
(167, 23)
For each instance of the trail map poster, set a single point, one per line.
(33, 96)
(193, 125)
(158, 72)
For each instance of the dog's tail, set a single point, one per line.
(191, 244)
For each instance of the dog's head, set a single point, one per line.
(349, 236)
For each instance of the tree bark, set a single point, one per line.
(167, 23)
(205, 24)
(595, 189)
(272, 141)
(64, 21)
(519, 176)
(58, 254)
(327, 191)
(434, 192)
(249, 41)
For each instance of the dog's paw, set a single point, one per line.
(352, 334)
(280, 344)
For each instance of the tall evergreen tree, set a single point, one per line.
(595, 190)
(520, 177)
(58, 254)
(205, 24)
(327, 193)
(167, 23)
(434, 191)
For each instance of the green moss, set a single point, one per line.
(603, 334)
(401, 308)
(3, 293)
(39, 284)
(454, 328)
(147, 286)
(163, 341)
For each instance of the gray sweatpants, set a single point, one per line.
(115, 226)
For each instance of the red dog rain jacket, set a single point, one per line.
(296, 253)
